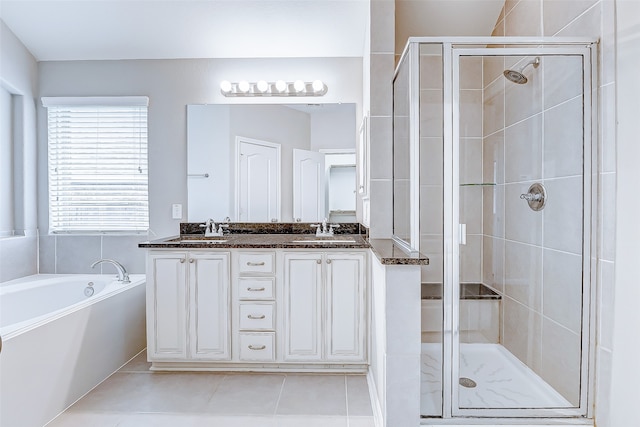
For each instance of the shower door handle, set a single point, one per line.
(463, 234)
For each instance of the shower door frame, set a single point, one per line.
(452, 49)
(452, 54)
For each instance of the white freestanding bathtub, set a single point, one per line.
(57, 343)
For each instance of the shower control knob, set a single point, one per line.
(536, 196)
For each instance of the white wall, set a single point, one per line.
(18, 76)
(625, 371)
(170, 85)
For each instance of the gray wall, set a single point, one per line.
(18, 76)
(170, 86)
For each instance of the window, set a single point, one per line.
(98, 164)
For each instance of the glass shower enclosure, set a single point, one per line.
(493, 160)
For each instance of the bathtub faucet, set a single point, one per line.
(123, 276)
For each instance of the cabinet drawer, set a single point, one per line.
(256, 262)
(256, 288)
(257, 346)
(256, 316)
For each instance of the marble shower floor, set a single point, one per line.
(502, 381)
(137, 397)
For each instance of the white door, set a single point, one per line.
(209, 337)
(308, 186)
(167, 307)
(258, 181)
(303, 306)
(345, 297)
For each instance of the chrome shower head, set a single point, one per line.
(517, 76)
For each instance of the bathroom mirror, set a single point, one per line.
(222, 183)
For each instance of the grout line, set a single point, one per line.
(284, 380)
(346, 397)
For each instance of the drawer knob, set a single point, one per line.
(259, 347)
(255, 264)
(253, 316)
(255, 289)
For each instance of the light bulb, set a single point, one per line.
(243, 86)
(225, 86)
(317, 86)
(262, 86)
(281, 86)
(298, 85)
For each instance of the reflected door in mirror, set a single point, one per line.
(308, 186)
(258, 181)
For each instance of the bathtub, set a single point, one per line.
(57, 343)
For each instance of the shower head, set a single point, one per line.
(517, 76)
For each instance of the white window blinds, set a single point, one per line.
(98, 164)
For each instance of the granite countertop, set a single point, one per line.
(391, 254)
(259, 241)
(289, 236)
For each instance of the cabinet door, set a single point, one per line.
(166, 306)
(209, 302)
(345, 315)
(302, 306)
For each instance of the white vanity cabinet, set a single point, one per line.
(257, 309)
(324, 306)
(254, 306)
(188, 306)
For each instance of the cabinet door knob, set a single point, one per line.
(254, 317)
(181, 260)
(328, 261)
(260, 347)
(191, 260)
(318, 261)
(255, 289)
(255, 264)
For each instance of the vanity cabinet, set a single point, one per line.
(188, 306)
(324, 306)
(255, 306)
(257, 309)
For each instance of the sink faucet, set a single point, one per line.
(322, 230)
(123, 276)
(211, 229)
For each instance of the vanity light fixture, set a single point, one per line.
(277, 88)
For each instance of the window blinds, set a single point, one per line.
(98, 164)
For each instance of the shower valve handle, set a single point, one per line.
(531, 197)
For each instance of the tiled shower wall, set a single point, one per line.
(533, 133)
(580, 18)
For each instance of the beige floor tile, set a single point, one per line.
(310, 421)
(313, 395)
(361, 422)
(199, 420)
(137, 364)
(358, 401)
(247, 394)
(157, 392)
(84, 419)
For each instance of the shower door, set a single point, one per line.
(498, 135)
(519, 184)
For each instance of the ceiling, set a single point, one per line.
(165, 29)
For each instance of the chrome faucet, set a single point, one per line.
(123, 276)
(322, 230)
(211, 229)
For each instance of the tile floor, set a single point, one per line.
(137, 397)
